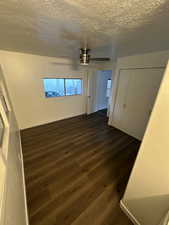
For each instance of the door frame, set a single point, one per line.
(94, 97)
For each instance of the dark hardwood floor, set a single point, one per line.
(76, 171)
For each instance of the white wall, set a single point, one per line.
(24, 73)
(147, 193)
(154, 59)
(13, 208)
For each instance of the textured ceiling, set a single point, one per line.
(60, 27)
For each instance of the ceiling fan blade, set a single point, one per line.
(60, 63)
(74, 64)
(100, 59)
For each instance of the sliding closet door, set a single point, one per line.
(118, 115)
(139, 93)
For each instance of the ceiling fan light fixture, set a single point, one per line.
(84, 56)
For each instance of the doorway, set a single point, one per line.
(99, 91)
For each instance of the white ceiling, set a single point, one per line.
(60, 27)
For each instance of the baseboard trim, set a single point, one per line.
(24, 185)
(50, 122)
(125, 131)
(128, 213)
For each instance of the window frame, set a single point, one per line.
(72, 78)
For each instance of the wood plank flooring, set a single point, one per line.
(76, 171)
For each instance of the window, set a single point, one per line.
(57, 87)
(109, 83)
(54, 87)
(73, 86)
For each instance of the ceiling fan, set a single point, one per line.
(85, 57)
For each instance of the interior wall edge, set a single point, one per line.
(24, 184)
(142, 189)
(128, 213)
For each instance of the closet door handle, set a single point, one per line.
(124, 106)
(150, 111)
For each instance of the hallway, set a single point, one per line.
(76, 171)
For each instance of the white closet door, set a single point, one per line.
(123, 83)
(138, 97)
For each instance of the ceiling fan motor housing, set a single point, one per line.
(84, 56)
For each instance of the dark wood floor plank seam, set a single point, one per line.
(82, 148)
(63, 142)
(71, 166)
(63, 136)
(60, 131)
(54, 172)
